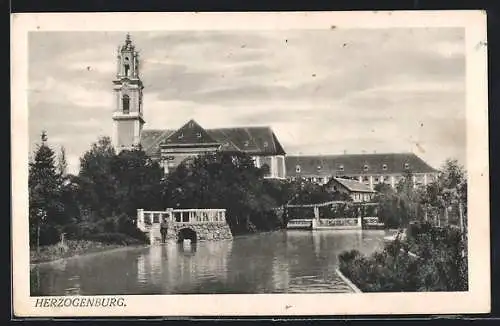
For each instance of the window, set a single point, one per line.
(126, 104)
(319, 168)
(198, 134)
(341, 167)
(266, 169)
(297, 169)
(384, 167)
(407, 166)
(365, 167)
(126, 66)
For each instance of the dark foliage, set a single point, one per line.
(228, 181)
(440, 263)
(46, 211)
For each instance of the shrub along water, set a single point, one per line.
(440, 263)
(70, 248)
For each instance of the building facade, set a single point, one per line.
(370, 169)
(127, 86)
(357, 191)
(171, 147)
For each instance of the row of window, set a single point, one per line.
(365, 167)
(198, 135)
(376, 179)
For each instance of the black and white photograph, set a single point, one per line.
(331, 156)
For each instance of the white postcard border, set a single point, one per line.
(476, 300)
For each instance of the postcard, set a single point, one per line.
(250, 164)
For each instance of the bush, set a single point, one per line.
(49, 235)
(441, 264)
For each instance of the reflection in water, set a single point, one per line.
(277, 262)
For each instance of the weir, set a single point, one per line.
(180, 224)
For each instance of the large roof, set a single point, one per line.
(352, 185)
(355, 164)
(252, 140)
(151, 139)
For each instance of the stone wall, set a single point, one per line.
(204, 231)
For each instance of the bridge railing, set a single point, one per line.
(145, 219)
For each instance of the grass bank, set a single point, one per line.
(72, 248)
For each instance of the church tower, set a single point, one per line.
(128, 114)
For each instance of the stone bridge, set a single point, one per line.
(180, 224)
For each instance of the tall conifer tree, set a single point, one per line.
(44, 184)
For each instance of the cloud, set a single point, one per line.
(320, 90)
(79, 95)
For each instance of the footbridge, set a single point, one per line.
(180, 224)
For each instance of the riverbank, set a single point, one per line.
(71, 248)
(433, 260)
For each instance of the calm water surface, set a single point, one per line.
(276, 262)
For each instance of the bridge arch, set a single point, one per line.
(187, 233)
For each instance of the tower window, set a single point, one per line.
(198, 134)
(127, 66)
(407, 166)
(365, 167)
(126, 104)
(341, 167)
(297, 169)
(384, 167)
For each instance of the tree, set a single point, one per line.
(62, 164)
(449, 189)
(97, 185)
(44, 184)
(224, 180)
(409, 198)
(398, 207)
(307, 192)
(111, 187)
(138, 184)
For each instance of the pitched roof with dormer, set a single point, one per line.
(190, 133)
(351, 185)
(252, 140)
(355, 164)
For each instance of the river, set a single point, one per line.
(274, 262)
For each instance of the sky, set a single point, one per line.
(321, 91)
